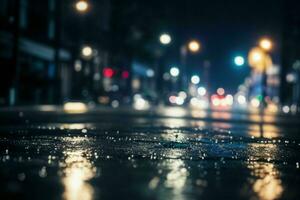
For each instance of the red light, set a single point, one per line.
(108, 72)
(125, 74)
(214, 96)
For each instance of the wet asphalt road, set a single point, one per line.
(165, 153)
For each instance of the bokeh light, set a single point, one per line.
(82, 6)
(201, 91)
(174, 71)
(108, 72)
(255, 103)
(239, 60)
(75, 107)
(241, 99)
(195, 79)
(194, 46)
(165, 39)
(266, 44)
(87, 51)
(220, 91)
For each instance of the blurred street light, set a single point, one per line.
(242, 100)
(220, 91)
(291, 77)
(165, 39)
(257, 56)
(75, 107)
(266, 44)
(150, 73)
(239, 61)
(286, 109)
(182, 94)
(179, 101)
(202, 91)
(78, 66)
(174, 71)
(229, 100)
(125, 74)
(255, 103)
(82, 6)
(195, 79)
(108, 72)
(259, 60)
(87, 52)
(194, 46)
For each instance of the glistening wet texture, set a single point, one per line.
(148, 158)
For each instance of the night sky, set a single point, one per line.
(225, 29)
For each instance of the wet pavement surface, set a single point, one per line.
(160, 154)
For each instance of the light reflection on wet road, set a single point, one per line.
(127, 155)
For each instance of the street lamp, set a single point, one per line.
(82, 6)
(192, 46)
(165, 39)
(260, 60)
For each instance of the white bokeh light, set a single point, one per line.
(165, 39)
(174, 71)
(195, 79)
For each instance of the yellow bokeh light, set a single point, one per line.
(268, 185)
(82, 6)
(194, 46)
(255, 103)
(266, 44)
(75, 107)
(259, 59)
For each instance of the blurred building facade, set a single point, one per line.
(290, 71)
(27, 53)
(40, 52)
(41, 49)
